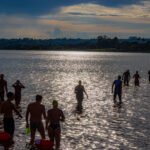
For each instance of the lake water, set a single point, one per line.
(101, 127)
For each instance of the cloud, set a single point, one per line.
(131, 11)
(41, 7)
(82, 12)
(80, 20)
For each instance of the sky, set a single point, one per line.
(44, 19)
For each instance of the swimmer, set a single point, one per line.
(118, 90)
(3, 87)
(54, 116)
(126, 78)
(18, 86)
(79, 91)
(36, 110)
(7, 110)
(136, 79)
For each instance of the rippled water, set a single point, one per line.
(55, 74)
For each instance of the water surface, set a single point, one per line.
(55, 74)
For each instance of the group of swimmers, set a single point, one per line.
(126, 79)
(36, 110)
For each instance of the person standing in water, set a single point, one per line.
(79, 91)
(18, 86)
(126, 78)
(136, 79)
(3, 87)
(149, 76)
(118, 90)
(7, 109)
(36, 110)
(54, 116)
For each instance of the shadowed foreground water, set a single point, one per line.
(55, 74)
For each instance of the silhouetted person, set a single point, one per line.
(136, 79)
(18, 86)
(0, 104)
(7, 109)
(54, 116)
(36, 110)
(118, 89)
(3, 87)
(126, 78)
(79, 91)
(149, 76)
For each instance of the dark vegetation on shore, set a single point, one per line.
(102, 43)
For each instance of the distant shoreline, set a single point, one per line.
(101, 44)
(79, 50)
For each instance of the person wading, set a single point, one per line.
(54, 116)
(3, 87)
(79, 91)
(118, 90)
(36, 110)
(126, 78)
(136, 79)
(18, 86)
(7, 109)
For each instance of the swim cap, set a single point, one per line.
(79, 81)
(55, 103)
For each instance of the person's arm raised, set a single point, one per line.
(14, 85)
(22, 86)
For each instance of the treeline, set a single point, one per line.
(133, 44)
(102, 43)
(47, 44)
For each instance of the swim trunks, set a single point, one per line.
(9, 125)
(35, 125)
(55, 126)
(2, 95)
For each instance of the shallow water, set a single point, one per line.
(55, 74)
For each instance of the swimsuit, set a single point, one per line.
(2, 95)
(36, 125)
(9, 125)
(55, 126)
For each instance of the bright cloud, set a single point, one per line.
(134, 12)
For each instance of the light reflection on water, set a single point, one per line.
(55, 74)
